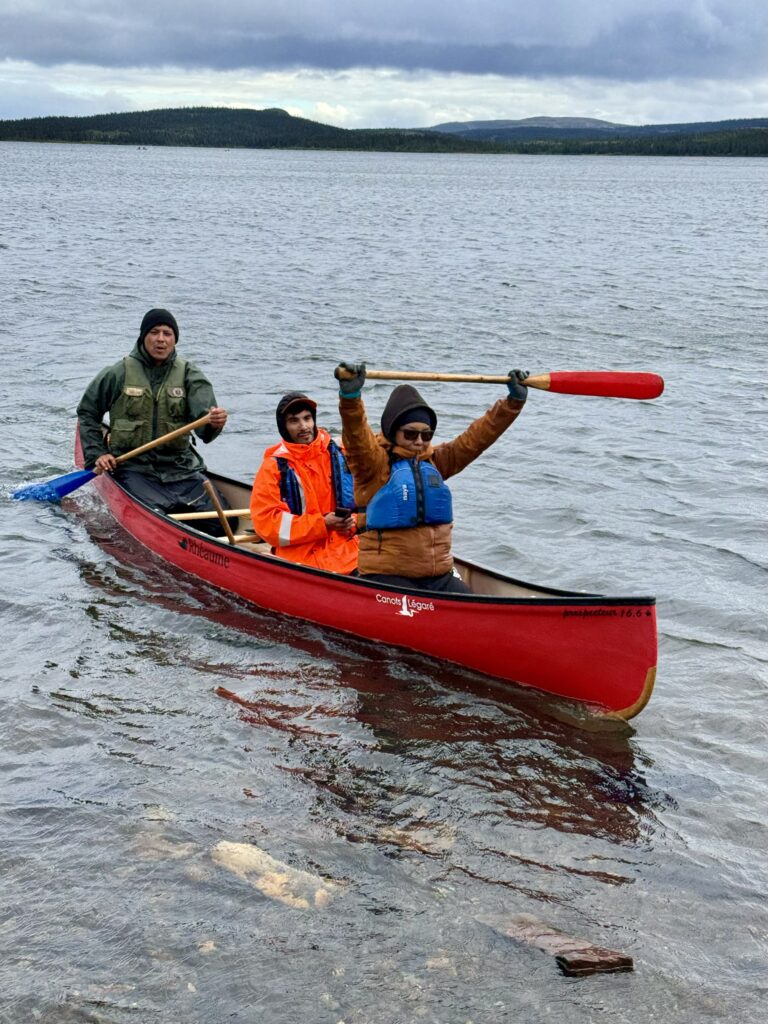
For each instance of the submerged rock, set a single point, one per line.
(278, 881)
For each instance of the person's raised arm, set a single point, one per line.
(453, 456)
(363, 453)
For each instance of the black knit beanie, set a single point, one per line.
(154, 318)
(421, 414)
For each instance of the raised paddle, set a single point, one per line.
(56, 489)
(602, 383)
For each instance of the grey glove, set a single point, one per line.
(351, 377)
(517, 389)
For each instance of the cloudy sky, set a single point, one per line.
(389, 63)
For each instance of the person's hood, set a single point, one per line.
(301, 452)
(403, 399)
(297, 400)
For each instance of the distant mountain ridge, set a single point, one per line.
(458, 127)
(548, 128)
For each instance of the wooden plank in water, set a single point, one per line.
(575, 957)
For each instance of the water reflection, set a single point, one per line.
(404, 753)
(521, 761)
(444, 783)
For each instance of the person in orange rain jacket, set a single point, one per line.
(302, 500)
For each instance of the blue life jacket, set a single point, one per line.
(415, 494)
(342, 483)
(341, 478)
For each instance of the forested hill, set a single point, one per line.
(224, 127)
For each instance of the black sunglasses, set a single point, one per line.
(414, 435)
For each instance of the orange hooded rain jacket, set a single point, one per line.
(301, 538)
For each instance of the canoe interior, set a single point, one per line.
(481, 581)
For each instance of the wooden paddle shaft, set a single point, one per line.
(186, 429)
(541, 380)
(210, 490)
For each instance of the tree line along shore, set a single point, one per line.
(227, 128)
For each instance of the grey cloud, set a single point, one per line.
(23, 100)
(634, 40)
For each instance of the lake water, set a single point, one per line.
(422, 805)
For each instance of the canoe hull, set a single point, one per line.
(587, 648)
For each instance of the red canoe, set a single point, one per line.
(589, 648)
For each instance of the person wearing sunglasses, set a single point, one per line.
(407, 513)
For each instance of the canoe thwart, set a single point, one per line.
(231, 513)
(248, 538)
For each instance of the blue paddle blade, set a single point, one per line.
(54, 490)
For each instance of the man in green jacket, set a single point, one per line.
(147, 394)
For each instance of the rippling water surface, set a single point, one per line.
(149, 721)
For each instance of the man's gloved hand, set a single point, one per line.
(351, 377)
(516, 386)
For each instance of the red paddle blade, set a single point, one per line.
(606, 383)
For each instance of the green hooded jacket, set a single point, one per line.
(167, 463)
